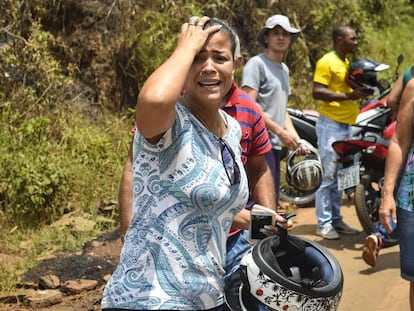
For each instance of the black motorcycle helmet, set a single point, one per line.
(286, 272)
(363, 73)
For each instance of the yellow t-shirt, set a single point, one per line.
(332, 71)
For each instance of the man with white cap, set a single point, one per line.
(266, 79)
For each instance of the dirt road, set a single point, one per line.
(365, 288)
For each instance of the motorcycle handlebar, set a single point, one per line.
(374, 99)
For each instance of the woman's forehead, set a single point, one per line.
(219, 41)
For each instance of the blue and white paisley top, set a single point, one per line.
(175, 248)
(405, 189)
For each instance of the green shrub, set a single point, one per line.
(46, 167)
(32, 182)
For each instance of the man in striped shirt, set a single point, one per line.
(255, 144)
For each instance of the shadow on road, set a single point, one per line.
(386, 261)
(351, 242)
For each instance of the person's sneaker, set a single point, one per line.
(342, 227)
(371, 250)
(327, 232)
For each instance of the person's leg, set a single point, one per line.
(273, 161)
(328, 199)
(277, 156)
(371, 249)
(237, 246)
(322, 196)
(323, 201)
(405, 227)
(387, 237)
(341, 132)
(377, 240)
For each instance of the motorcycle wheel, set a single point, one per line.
(367, 199)
(288, 193)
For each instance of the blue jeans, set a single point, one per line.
(387, 237)
(405, 235)
(393, 236)
(237, 246)
(328, 199)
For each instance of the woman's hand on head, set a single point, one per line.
(194, 33)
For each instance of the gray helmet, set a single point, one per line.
(304, 172)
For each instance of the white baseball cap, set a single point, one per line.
(277, 20)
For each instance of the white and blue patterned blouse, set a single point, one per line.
(175, 248)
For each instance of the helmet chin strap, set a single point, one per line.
(243, 307)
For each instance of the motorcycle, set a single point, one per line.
(363, 160)
(374, 117)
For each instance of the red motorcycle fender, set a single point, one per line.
(348, 146)
(381, 102)
(389, 130)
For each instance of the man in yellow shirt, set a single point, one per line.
(338, 111)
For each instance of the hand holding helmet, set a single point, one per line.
(362, 77)
(278, 221)
(304, 171)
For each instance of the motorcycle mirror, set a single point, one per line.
(400, 59)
